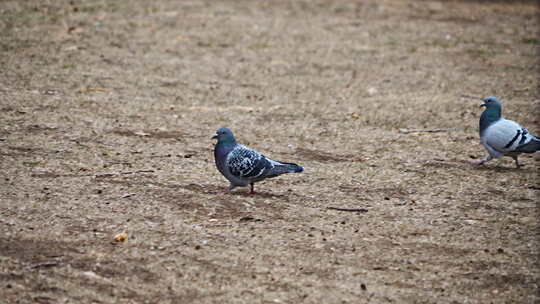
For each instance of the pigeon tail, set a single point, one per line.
(287, 168)
(530, 147)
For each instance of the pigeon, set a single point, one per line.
(503, 137)
(243, 166)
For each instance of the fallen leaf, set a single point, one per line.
(121, 237)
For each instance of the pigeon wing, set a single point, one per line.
(247, 163)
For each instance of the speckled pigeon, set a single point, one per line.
(503, 137)
(243, 166)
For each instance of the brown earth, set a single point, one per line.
(107, 109)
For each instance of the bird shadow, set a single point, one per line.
(200, 188)
(503, 169)
(464, 164)
(217, 190)
(449, 164)
(256, 194)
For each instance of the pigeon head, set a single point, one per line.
(491, 102)
(224, 135)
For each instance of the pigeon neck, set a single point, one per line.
(227, 142)
(489, 116)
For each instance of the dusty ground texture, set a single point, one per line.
(107, 109)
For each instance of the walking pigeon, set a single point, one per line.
(242, 165)
(503, 137)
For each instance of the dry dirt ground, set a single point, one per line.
(107, 109)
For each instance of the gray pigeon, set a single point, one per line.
(242, 165)
(503, 137)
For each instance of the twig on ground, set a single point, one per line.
(159, 156)
(473, 219)
(128, 195)
(407, 131)
(353, 78)
(469, 96)
(122, 173)
(348, 209)
(44, 264)
(99, 175)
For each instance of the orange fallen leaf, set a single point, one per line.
(120, 237)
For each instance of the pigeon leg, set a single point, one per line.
(252, 191)
(481, 162)
(516, 160)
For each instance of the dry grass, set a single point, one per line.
(99, 87)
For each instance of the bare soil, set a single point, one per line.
(106, 114)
